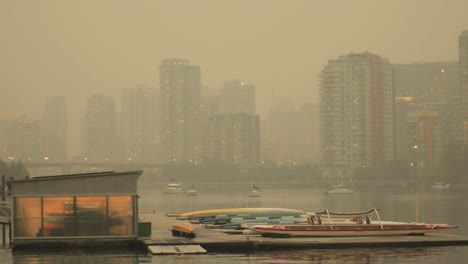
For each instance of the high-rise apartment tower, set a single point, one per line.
(180, 85)
(356, 113)
(463, 64)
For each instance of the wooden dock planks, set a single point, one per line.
(214, 240)
(176, 249)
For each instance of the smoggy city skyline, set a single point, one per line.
(76, 49)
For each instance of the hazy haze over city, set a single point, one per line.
(78, 48)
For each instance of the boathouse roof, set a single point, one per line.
(96, 183)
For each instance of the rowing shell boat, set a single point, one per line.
(361, 225)
(342, 230)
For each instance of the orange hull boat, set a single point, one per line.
(184, 229)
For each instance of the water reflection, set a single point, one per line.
(380, 255)
(79, 257)
(391, 255)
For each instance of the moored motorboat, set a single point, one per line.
(192, 191)
(361, 225)
(255, 192)
(340, 190)
(440, 185)
(173, 188)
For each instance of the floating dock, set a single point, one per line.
(215, 240)
(173, 249)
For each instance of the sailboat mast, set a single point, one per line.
(193, 170)
(350, 178)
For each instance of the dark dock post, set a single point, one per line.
(3, 199)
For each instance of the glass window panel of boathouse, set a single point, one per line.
(27, 217)
(74, 216)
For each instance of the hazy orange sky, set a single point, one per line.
(77, 48)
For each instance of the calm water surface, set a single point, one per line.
(420, 204)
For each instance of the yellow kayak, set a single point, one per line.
(221, 211)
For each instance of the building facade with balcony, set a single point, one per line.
(356, 113)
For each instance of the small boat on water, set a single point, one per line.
(339, 190)
(173, 188)
(362, 225)
(192, 192)
(255, 191)
(440, 185)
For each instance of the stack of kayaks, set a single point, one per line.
(235, 218)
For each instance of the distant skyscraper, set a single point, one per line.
(356, 113)
(419, 85)
(5, 143)
(426, 79)
(463, 62)
(290, 134)
(139, 123)
(19, 140)
(403, 108)
(180, 85)
(54, 129)
(233, 138)
(428, 129)
(209, 106)
(99, 130)
(309, 131)
(237, 97)
(280, 132)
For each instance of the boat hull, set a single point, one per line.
(183, 229)
(192, 192)
(174, 188)
(441, 186)
(255, 194)
(347, 230)
(173, 191)
(339, 191)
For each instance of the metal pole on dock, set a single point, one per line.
(3, 199)
(378, 217)
(329, 219)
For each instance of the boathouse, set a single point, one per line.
(92, 206)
